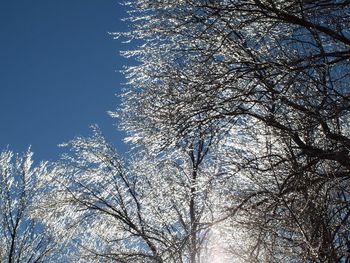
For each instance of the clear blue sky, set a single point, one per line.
(59, 72)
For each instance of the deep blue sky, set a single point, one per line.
(58, 72)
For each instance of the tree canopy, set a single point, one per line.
(238, 112)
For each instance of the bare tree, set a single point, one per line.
(156, 210)
(276, 72)
(23, 238)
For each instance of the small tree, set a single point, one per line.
(23, 238)
(160, 209)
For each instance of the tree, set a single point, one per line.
(275, 72)
(23, 238)
(157, 210)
